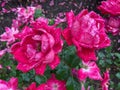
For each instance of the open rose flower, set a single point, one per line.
(110, 7)
(12, 84)
(39, 48)
(113, 25)
(105, 81)
(54, 84)
(51, 84)
(86, 32)
(90, 70)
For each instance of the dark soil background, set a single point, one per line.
(51, 8)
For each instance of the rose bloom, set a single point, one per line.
(113, 25)
(90, 70)
(38, 48)
(110, 7)
(8, 36)
(10, 85)
(105, 81)
(86, 32)
(51, 84)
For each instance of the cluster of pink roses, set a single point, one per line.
(36, 44)
(112, 8)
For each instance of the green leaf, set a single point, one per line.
(102, 63)
(25, 77)
(112, 84)
(91, 88)
(38, 13)
(108, 49)
(40, 79)
(69, 56)
(118, 86)
(47, 72)
(118, 75)
(62, 71)
(108, 61)
(51, 22)
(72, 84)
(117, 55)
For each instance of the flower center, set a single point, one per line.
(85, 67)
(55, 86)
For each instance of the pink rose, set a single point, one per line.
(25, 31)
(110, 7)
(9, 35)
(51, 84)
(2, 52)
(39, 48)
(105, 81)
(86, 32)
(10, 85)
(90, 70)
(54, 84)
(25, 14)
(34, 87)
(113, 25)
